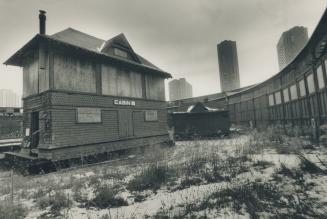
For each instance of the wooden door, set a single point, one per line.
(125, 123)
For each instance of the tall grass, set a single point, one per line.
(12, 211)
(107, 197)
(151, 177)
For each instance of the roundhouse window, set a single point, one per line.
(302, 88)
(278, 98)
(310, 82)
(286, 95)
(293, 92)
(271, 100)
(320, 76)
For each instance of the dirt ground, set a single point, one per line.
(252, 175)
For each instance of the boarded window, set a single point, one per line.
(286, 95)
(88, 115)
(118, 82)
(302, 88)
(73, 74)
(30, 77)
(278, 98)
(293, 92)
(320, 76)
(311, 84)
(271, 100)
(155, 87)
(119, 52)
(151, 115)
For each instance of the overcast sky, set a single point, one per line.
(179, 36)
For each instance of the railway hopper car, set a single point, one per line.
(200, 121)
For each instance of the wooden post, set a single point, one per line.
(12, 185)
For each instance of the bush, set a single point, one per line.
(309, 167)
(150, 178)
(58, 201)
(284, 170)
(263, 164)
(106, 197)
(9, 211)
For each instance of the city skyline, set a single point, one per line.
(184, 47)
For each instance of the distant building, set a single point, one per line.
(290, 44)
(9, 99)
(180, 89)
(228, 65)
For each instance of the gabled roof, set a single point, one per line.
(199, 108)
(83, 42)
(79, 39)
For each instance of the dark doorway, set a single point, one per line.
(34, 129)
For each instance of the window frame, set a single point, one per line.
(77, 121)
(287, 99)
(280, 98)
(147, 119)
(296, 92)
(311, 89)
(304, 89)
(320, 79)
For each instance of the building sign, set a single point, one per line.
(88, 115)
(151, 115)
(124, 102)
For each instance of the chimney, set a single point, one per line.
(42, 19)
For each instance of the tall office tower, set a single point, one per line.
(228, 65)
(9, 99)
(180, 89)
(290, 44)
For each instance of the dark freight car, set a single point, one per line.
(200, 121)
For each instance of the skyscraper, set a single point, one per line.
(228, 65)
(180, 89)
(290, 44)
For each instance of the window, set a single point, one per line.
(271, 100)
(286, 95)
(74, 74)
(151, 115)
(278, 98)
(120, 82)
(320, 76)
(293, 92)
(310, 82)
(302, 88)
(88, 115)
(119, 52)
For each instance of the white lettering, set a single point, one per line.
(124, 102)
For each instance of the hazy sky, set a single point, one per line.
(179, 36)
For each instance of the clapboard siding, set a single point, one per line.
(85, 100)
(144, 128)
(66, 132)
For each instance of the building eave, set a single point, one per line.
(17, 58)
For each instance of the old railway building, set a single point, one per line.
(84, 96)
